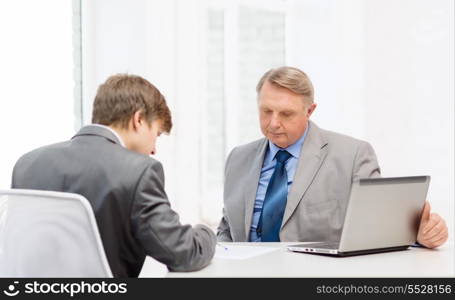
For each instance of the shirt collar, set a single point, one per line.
(111, 130)
(293, 149)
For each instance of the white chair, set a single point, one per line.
(49, 234)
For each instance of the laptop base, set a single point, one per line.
(335, 253)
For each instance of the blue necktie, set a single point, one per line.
(274, 201)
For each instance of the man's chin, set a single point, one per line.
(278, 142)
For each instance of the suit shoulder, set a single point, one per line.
(337, 138)
(43, 150)
(247, 148)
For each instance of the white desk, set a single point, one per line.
(415, 262)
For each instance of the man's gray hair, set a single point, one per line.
(290, 78)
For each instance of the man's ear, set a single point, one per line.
(311, 109)
(137, 120)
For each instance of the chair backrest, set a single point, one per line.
(49, 234)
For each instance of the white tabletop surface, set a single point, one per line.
(414, 262)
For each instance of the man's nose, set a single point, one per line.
(274, 122)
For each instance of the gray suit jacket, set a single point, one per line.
(126, 191)
(329, 163)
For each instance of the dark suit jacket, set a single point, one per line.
(126, 191)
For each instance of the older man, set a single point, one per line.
(299, 171)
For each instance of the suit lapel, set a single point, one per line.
(312, 156)
(252, 181)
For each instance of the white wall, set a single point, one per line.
(36, 78)
(113, 42)
(326, 39)
(410, 93)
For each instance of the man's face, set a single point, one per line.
(146, 136)
(283, 115)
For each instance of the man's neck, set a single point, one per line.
(122, 134)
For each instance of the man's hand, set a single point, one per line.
(433, 230)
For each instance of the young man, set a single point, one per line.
(109, 163)
(297, 179)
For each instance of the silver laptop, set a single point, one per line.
(383, 214)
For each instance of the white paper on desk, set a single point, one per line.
(240, 252)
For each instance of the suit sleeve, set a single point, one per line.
(365, 163)
(157, 227)
(223, 231)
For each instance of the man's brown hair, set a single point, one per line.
(122, 95)
(291, 78)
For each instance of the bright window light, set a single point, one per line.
(36, 78)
